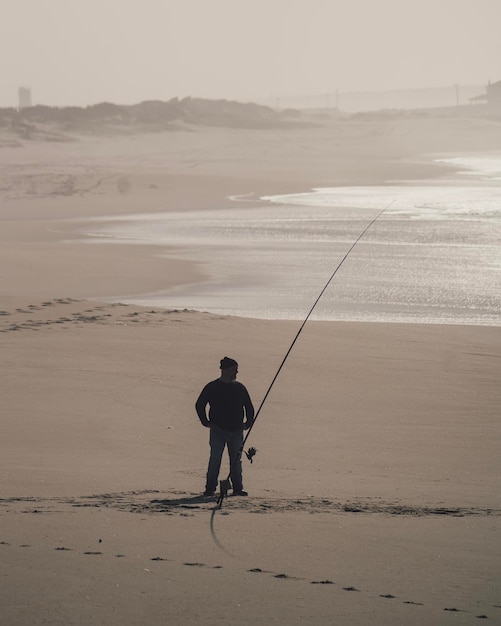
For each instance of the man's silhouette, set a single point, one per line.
(230, 413)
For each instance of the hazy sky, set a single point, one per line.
(79, 52)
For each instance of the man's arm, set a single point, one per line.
(249, 410)
(200, 406)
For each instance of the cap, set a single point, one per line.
(226, 363)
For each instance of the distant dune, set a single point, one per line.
(60, 124)
(53, 123)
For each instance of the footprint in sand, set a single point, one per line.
(411, 602)
(322, 582)
(193, 564)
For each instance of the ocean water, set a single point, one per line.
(433, 256)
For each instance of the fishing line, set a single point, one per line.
(225, 484)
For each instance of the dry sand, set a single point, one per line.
(375, 492)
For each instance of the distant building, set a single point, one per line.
(24, 94)
(491, 97)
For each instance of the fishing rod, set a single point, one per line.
(224, 485)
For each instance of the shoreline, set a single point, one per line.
(170, 296)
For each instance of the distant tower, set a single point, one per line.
(24, 94)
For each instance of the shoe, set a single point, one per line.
(240, 492)
(209, 494)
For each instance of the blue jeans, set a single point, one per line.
(218, 439)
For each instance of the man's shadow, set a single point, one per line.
(186, 502)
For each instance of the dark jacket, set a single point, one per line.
(230, 406)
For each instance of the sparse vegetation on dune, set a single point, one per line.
(62, 124)
(53, 122)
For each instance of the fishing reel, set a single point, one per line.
(251, 453)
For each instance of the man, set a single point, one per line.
(230, 413)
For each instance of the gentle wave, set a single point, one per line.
(433, 257)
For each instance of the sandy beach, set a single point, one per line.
(374, 497)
